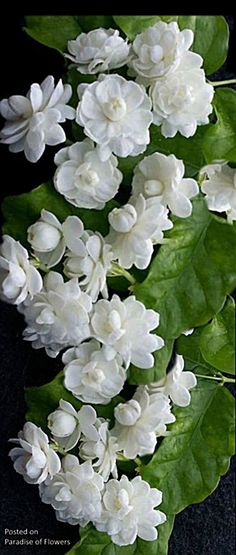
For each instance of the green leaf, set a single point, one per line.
(134, 24)
(211, 38)
(162, 358)
(131, 25)
(28, 207)
(89, 22)
(42, 400)
(219, 142)
(217, 340)
(188, 150)
(188, 464)
(52, 30)
(191, 274)
(189, 348)
(99, 543)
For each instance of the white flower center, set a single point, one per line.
(114, 322)
(156, 54)
(94, 375)
(153, 187)
(64, 494)
(86, 177)
(115, 109)
(123, 219)
(122, 499)
(128, 413)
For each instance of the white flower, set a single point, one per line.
(92, 265)
(66, 424)
(182, 100)
(176, 384)
(33, 121)
(83, 179)
(74, 493)
(116, 114)
(99, 50)
(89, 376)
(140, 421)
(58, 316)
(158, 50)
(34, 458)
(49, 238)
(18, 278)
(188, 332)
(124, 327)
(134, 229)
(159, 176)
(219, 186)
(128, 511)
(104, 450)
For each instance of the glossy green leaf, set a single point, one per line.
(188, 464)
(211, 38)
(42, 400)
(217, 340)
(52, 30)
(162, 358)
(189, 348)
(99, 543)
(131, 25)
(188, 150)
(219, 142)
(191, 274)
(28, 206)
(89, 22)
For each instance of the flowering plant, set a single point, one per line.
(121, 269)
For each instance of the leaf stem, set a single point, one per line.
(222, 379)
(219, 83)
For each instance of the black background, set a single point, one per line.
(208, 528)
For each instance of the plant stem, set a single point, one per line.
(117, 270)
(222, 379)
(56, 447)
(226, 82)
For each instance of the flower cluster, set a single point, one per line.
(63, 283)
(84, 486)
(115, 113)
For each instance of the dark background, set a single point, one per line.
(205, 529)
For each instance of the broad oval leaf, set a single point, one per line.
(211, 38)
(93, 542)
(188, 464)
(217, 340)
(89, 22)
(212, 347)
(191, 274)
(219, 142)
(131, 25)
(28, 207)
(189, 348)
(52, 30)
(42, 400)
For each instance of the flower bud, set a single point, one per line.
(61, 423)
(127, 414)
(43, 237)
(123, 219)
